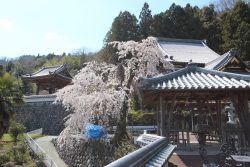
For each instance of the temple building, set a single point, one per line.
(204, 83)
(181, 51)
(49, 78)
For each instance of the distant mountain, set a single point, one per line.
(5, 60)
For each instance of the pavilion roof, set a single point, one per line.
(229, 57)
(196, 78)
(184, 50)
(49, 71)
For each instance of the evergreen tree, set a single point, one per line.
(145, 21)
(230, 22)
(10, 66)
(210, 29)
(159, 27)
(242, 40)
(124, 28)
(1, 70)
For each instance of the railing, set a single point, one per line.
(38, 150)
(141, 156)
(180, 137)
(136, 129)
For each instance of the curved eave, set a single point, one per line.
(46, 76)
(195, 89)
(185, 63)
(193, 78)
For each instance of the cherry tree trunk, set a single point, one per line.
(121, 131)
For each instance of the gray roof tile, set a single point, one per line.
(194, 78)
(184, 50)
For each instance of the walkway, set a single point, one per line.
(46, 144)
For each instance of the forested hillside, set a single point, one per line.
(225, 24)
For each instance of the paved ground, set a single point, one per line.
(184, 158)
(46, 144)
(180, 158)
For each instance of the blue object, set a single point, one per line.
(94, 131)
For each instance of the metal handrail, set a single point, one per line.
(38, 150)
(141, 156)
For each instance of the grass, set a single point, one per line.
(17, 153)
(35, 136)
(7, 137)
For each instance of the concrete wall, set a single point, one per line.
(40, 112)
(86, 153)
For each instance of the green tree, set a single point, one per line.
(145, 21)
(10, 66)
(16, 130)
(1, 70)
(135, 108)
(159, 26)
(242, 40)
(210, 29)
(10, 96)
(230, 22)
(124, 28)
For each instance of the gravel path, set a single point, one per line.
(46, 144)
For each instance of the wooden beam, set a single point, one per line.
(158, 115)
(170, 115)
(162, 116)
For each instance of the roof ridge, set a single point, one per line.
(210, 49)
(179, 40)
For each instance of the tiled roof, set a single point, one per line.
(218, 63)
(222, 61)
(40, 96)
(46, 71)
(196, 78)
(184, 50)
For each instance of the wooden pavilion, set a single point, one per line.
(49, 78)
(203, 88)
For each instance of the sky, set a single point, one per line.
(32, 27)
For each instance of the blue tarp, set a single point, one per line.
(94, 131)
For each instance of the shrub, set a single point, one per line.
(15, 130)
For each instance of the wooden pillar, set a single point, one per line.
(37, 90)
(52, 88)
(211, 114)
(219, 117)
(162, 116)
(241, 118)
(158, 115)
(170, 114)
(246, 108)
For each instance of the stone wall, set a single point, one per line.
(86, 152)
(42, 114)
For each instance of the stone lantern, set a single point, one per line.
(231, 116)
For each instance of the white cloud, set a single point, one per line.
(5, 24)
(53, 36)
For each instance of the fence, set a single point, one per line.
(38, 150)
(143, 155)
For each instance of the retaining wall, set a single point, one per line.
(40, 112)
(86, 153)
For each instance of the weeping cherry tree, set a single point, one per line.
(100, 92)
